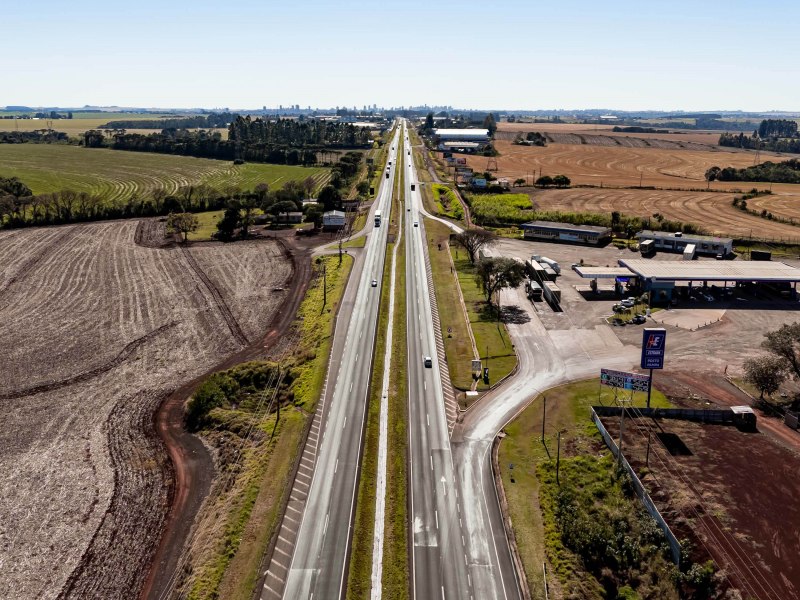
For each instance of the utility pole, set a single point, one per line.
(558, 459)
(621, 430)
(544, 415)
(324, 286)
(647, 456)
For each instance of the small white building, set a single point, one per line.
(333, 220)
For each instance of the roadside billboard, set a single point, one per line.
(624, 380)
(654, 341)
(481, 183)
(461, 161)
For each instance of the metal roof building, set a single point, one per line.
(677, 242)
(738, 270)
(462, 135)
(551, 231)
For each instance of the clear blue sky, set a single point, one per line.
(691, 55)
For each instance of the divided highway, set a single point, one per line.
(319, 563)
(438, 560)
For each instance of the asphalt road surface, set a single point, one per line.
(320, 559)
(439, 560)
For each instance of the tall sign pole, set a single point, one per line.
(654, 341)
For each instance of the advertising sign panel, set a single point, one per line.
(461, 161)
(654, 341)
(624, 380)
(479, 182)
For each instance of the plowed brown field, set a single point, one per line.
(596, 165)
(95, 331)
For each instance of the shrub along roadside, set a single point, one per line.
(591, 529)
(255, 470)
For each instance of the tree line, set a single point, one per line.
(775, 135)
(19, 207)
(40, 136)
(212, 121)
(787, 171)
(282, 141)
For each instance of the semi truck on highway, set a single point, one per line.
(377, 218)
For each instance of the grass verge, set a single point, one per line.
(528, 473)
(207, 225)
(491, 336)
(455, 329)
(242, 517)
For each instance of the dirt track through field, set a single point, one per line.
(96, 334)
(236, 331)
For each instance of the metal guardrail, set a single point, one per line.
(638, 487)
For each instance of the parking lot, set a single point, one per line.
(704, 334)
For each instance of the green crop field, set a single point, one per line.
(80, 123)
(119, 175)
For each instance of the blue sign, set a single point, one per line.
(654, 342)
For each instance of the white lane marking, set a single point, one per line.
(324, 529)
(336, 466)
(356, 357)
(436, 514)
(351, 386)
(425, 384)
(428, 417)
(431, 457)
(345, 423)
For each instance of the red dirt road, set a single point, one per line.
(193, 470)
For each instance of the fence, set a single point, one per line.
(674, 545)
(724, 415)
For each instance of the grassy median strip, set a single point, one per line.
(359, 576)
(396, 577)
(238, 526)
(524, 459)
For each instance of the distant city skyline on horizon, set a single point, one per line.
(721, 56)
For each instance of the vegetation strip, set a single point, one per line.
(586, 525)
(227, 560)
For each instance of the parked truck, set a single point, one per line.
(533, 290)
(549, 262)
(551, 293)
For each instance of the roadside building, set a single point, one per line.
(549, 231)
(704, 245)
(290, 217)
(461, 140)
(333, 220)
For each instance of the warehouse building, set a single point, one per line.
(469, 140)
(704, 245)
(333, 220)
(549, 231)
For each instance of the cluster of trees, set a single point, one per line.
(47, 136)
(776, 135)
(768, 372)
(532, 138)
(283, 141)
(787, 171)
(492, 274)
(242, 386)
(638, 129)
(781, 128)
(297, 134)
(212, 121)
(560, 181)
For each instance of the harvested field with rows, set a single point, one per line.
(116, 175)
(707, 138)
(96, 331)
(618, 165)
(712, 211)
